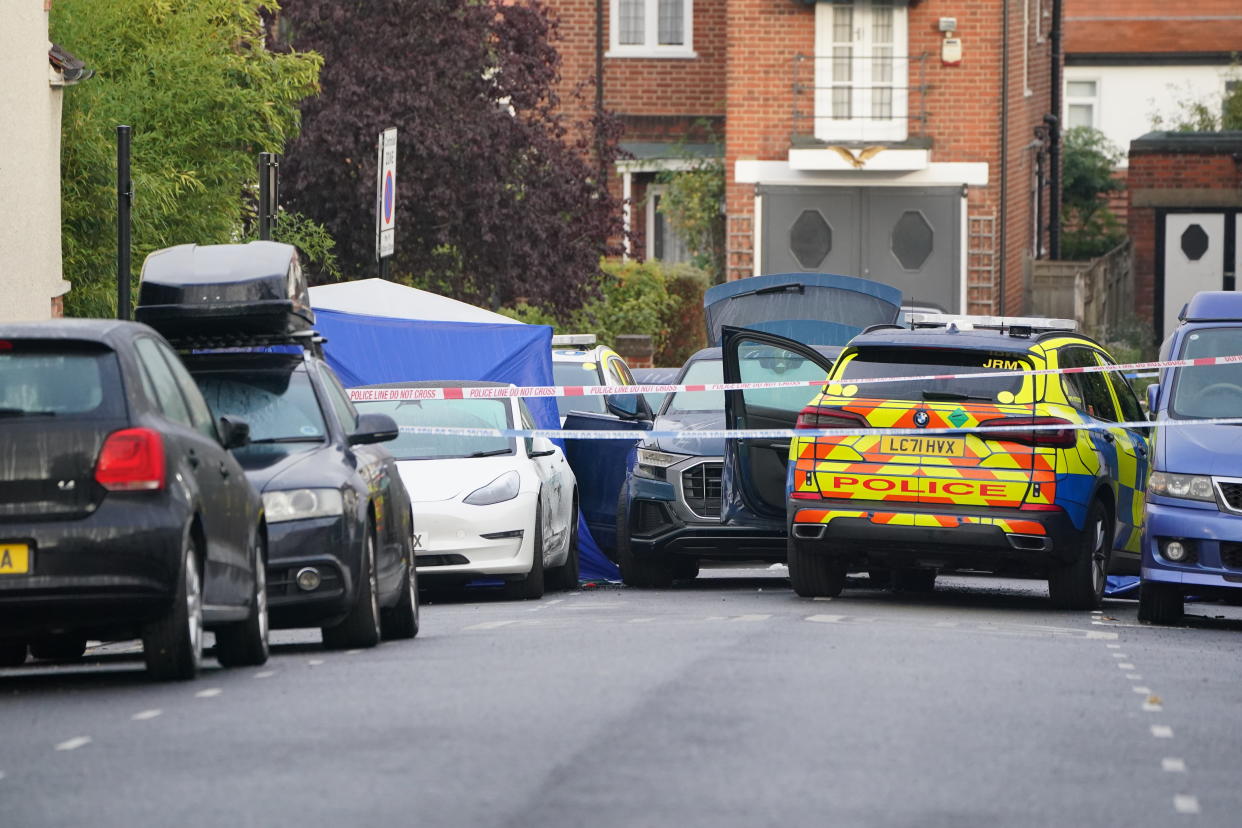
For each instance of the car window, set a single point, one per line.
(345, 410)
(578, 373)
(477, 413)
(879, 362)
(621, 370)
(1131, 411)
(699, 372)
(278, 403)
(1208, 390)
(77, 380)
(167, 394)
(200, 414)
(528, 422)
(1086, 392)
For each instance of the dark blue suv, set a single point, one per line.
(1192, 538)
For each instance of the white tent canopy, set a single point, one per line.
(379, 297)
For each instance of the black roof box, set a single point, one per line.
(224, 289)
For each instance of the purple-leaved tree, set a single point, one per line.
(498, 196)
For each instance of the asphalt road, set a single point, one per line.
(729, 702)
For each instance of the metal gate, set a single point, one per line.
(1195, 251)
(910, 238)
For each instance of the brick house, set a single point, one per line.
(857, 136)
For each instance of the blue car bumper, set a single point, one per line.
(1213, 537)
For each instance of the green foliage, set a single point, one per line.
(530, 314)
(687, 331)
(1089, 228)
(203, 95)
(1205, 114)
(693, 203)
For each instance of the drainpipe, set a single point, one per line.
(599, 89)
(1054, 140)
(1004, 154)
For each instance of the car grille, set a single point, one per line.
(700, 486)
(1232, 493)
(649, 517)
(1231, 555)
(441, 560)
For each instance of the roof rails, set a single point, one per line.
(309, 340)
(573, 339)
(1015, 325)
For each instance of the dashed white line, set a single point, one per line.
(1098, 635)
(1119, 655)
(820, 598)
(641, 620)
(210, 692)
(945, 624)
(1186, 804)
(315, 662)
(1113, 646)
(352, 652)
(756, 617)
(1141, 690)
(826, 619)
(1171, 764)
(1151, 707)
(74, 743)
(146, 715)
(1162, 731)
(1134, 677)
(1125, 665)
(489, 625)
(265, 674)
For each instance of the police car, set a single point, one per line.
(578, 359)
(1001, 495)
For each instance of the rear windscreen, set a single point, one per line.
(70, 380)
(898, 362)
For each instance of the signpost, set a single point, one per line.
(386, 199)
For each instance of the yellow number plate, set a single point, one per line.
(14, 559)
(926, 446)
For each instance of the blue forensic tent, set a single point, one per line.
(379, 331)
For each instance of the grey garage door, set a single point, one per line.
(909, 238)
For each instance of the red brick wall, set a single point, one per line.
(1152, 26)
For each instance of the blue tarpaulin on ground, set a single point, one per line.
(367, 349)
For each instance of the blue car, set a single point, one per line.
(1192, 537)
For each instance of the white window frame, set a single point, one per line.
(1079, 100)
(655, 191)
(828, 128)
(650, 47)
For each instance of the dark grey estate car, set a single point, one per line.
(122, 512)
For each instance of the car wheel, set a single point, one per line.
(245, 644)
(401, 621)
(531, 586)
(814, 576)
(1161, 603)
(879, 578)
(685, 569)
(173, 645)
(914, 580)
(12, 655)
(566, 576)
(361, 628)
(635, 572)
(1079, 585)
(58, 648)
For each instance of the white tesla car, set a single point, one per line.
(484, 507)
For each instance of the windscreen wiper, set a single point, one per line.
(951, 396)
(287, 440)
(21, 412)
(796, 287)
(491, 453)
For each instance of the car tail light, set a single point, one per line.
(1018, 430)
(131, 460)
(5, 345)
(1040, 507)
(815, 417)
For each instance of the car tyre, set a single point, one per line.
(361, 628)
(58, 648)
(814, 576)
(246, 643)
(914, 580)
(566, 576)
(879, 578)
(657, 573)
(1161, 603)
(12, 655)
(172, 645)
(401, 620)
(531, 586)
(685, 569)
(1079, 585)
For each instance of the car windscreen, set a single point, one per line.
(445, 413)
(65, 380)
(760, 367)
(578, 373)
(1202, 391)
(279, 405)
(904, 362)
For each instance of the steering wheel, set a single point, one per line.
(1226, 388)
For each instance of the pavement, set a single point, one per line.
(725, 702)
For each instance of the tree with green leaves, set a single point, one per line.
(1205, 114)
(693, 203)
(204, 97)
(1089, 228)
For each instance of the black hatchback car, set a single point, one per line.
(122, 513)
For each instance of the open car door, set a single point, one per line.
(755, 470)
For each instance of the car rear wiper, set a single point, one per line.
(21, 412)
(287, 440)
(951, 396)
(491, 453)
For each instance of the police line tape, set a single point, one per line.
(781, 433)
(505, 392)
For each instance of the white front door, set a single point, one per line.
(1194, 260)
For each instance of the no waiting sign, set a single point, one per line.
(386, 194)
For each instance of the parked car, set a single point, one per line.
(1192, 538)
(655, 376)
(122, 513)
(484, 507)
(577, 359)
(1061, 503)
(673, 510)
(339, 548)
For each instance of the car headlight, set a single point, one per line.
(300, 504)
(499, 490)
(1185, 486)
(653, 464)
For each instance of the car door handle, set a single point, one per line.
(193, 458)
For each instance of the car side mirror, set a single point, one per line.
(373, 428)
(541, 447)
(234, 433)
(1153, 393)
(628, 406)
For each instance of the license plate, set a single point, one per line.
(14, 559)
(421, 542)
(926, 446)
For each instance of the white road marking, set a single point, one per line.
(1186, 804)
(826, 619)
(74, 743)
(352, 652)
(1172, 764)
(146, 715)
(1113, 646)
(1162, 731)
(1098, 635)
(1125, 665)
(820, 598)
(641, 620)
(210, 692)
(1142, 691)
(315, 662)
(1119, 655)
(945, 624)
(751, 617)
(489, 625)
(265, 674)
(1134, 677)
(1148, 707)
(1097, 612)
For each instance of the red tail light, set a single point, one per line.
(131, 460)
(1040, 507)
(1017, 430)
(815, 417)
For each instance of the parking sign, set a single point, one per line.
(386, 194)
